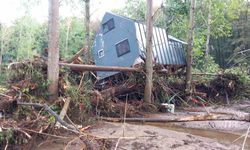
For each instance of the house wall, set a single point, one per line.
(124, 29)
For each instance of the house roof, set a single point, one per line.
(141, 22)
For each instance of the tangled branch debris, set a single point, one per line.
(28, 87)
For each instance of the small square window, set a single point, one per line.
(101, 53)
(122, 48)
(108, 26)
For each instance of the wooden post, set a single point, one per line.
(190, 49)
(53, 49)
(149, 61)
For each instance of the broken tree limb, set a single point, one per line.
(110, 93)
(81, 67)
(205, 117)
(49, 110)
(65, 108)
(118, 90)
(208, 74)
(79, 53)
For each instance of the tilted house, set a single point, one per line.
(121, 41)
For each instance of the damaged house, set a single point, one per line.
(121, 41)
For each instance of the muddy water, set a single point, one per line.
(223, 137)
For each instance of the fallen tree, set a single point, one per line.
(82, 67)
(203, 117)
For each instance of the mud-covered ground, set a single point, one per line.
(145, 137)
(229, 118)
(187, 135)
(224, 133)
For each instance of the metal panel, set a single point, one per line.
(166, 48)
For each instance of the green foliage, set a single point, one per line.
(26, 37)
(208, 66)
(135, 9)
(32, 81)
(241, 72)
(79, 95)
(6, 135)
(23, 38)
(72, 36)
(52, 119)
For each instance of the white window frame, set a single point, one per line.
(99, 53)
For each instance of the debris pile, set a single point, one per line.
(122, 97)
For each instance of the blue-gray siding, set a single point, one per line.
(124, 29)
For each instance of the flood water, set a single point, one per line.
(222, 137)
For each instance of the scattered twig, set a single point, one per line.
(239, 137)
(65, 108)
(81, 81)
(56, 136)
(69, 143)
(117, 143)
(245, 139)
(227, 97)
(6, 146)
(48, 109)
(72, 123)
(79, 53)
(10, 97)
(125, 113)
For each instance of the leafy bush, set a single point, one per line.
(206, 66)
(241, 72)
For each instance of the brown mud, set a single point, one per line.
(128, 136)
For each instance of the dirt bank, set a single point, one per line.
(127, 136)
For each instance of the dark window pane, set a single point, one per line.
(122, 48)
(109, 25)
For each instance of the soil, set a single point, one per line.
(145, 137)
(208, 134)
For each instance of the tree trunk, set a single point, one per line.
(87, 22)
(67, 37)
(190, 49)
(1, 49)
(53, 49)
(149, 61)
(208, 30)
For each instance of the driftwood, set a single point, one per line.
(79, 53)
(118, 90)
(110, 93)
(49, 110)
(208, 74)
(65, 108)
(81, 67)
(205, 117)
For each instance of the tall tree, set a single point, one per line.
(149, 61)
(1, 47)
(190, 48)
(208, 29)
(87, 22)
(53, 49)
